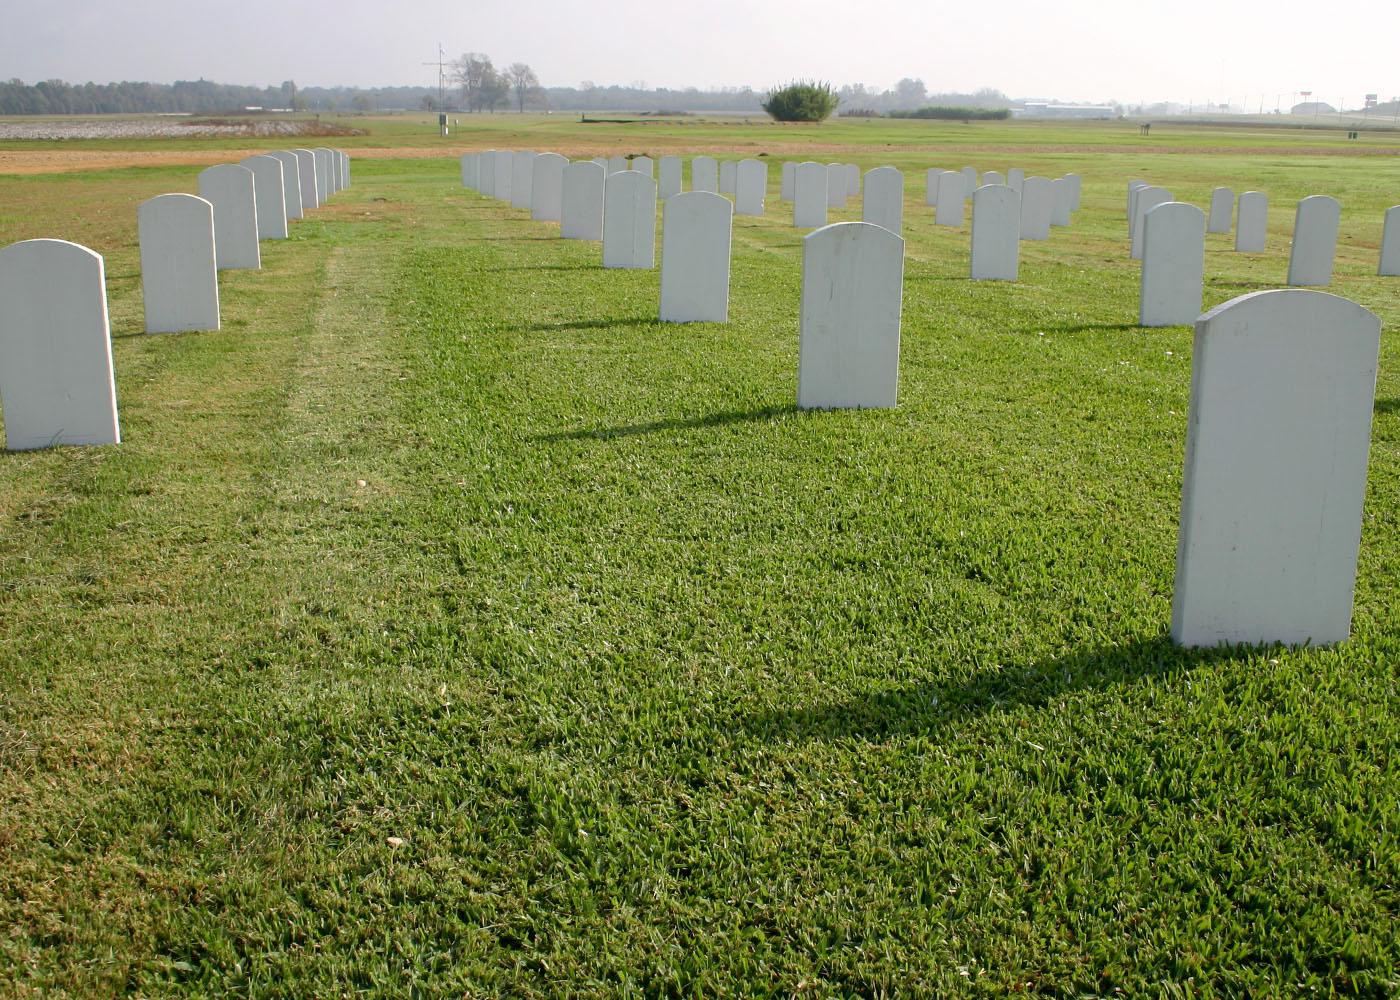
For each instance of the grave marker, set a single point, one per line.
(1015, 180)
(629, 220)
(229, 188)
(179, 278)
(547, 188)
(836, 185)
(852, 180)
(1173, 265)
(970, 183)
(789, 177)
(669, 177)
(270, 201)
(951, 199)
(291, 183)
(325, 184)
(696, 231)
(1147, 199)
(616, 165)
(1252, 222)
(643, 165)
(306, 179)
(931, 179)
(728, 175)
(1314, 240)
(750, 187)
(1282, 390)
(993, 178)
(522, 178)
(1062, 197)
(852, 287)
(582, 213)
(1037, 205)
(486, 174)
(504, 173)
(1222, 210)
(883, 204)
(996, 233)
(1390, 243)
(809, 200)
(1077, 184)
(471, 163)
(704, 174)
(56, 383)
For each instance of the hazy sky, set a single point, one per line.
(1092, 50)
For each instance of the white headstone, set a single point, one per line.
(789, 178)
(951, 200)
(1173, 265)
(970, 183)
(695, 239)
(616, 165)
(486, 174)
(522, 178)
(704, 174)
(836, 185)
(852, 288)
(470, 163)
(1062, 196)
(809, 196)
(1077, 183)
(996, 233)
(1282, 388)
(306, 179)
(1222, 210)
(547, 188)
(1314, 240)
(344, 169)
(669, 177)
(1147, 199)
(883, 204)
(179, 280)
(270, 199)
(603, 162)
(852, 180)
(728, 175)
(1390, 243)
(291, 182)
(1015, 180)
(1252, 222)
(750, 187)
(1133, 188)
(325, 184)
(229, 188)
(582, 217)
(992, 178)
(1037, 205)
(931, 178)
(504, 173)
(643, 165)
(56, 383)
(629, 221)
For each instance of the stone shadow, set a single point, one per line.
(926, 709)
(720, 419)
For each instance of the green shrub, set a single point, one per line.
(952, 113)
(802, 101)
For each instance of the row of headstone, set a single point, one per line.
(1282, 386)
(1315, 228)
(57, 385)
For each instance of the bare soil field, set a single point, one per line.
(166, 128)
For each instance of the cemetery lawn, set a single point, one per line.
(446, 626)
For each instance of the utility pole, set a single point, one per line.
(441, 65)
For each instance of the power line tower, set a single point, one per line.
(441, 65)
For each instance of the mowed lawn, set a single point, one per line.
(444, 625)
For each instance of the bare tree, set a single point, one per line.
(474, 73)
(522, 78)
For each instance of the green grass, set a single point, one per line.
(666, 688)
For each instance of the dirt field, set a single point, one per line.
(166, 128)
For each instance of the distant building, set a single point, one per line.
(1038, 109)
(1312, 108)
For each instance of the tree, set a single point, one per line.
(802, 101)
(910, 93)
(474, 72)
(523, 80)
(495, 91)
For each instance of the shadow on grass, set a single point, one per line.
(582, 324)
(512, 239)
(925, 709)
(1391, 405)
(672, 424)
(1245, 284)
(544, 267)
(1079, 327)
